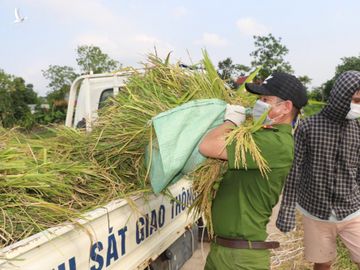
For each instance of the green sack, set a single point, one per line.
(179, 132)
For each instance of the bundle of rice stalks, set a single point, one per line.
(46, 181)
(290, 253)
(244, 142)
(41, 185)
(206, 179)
(124, 129)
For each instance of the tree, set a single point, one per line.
(326, 88)
(269, 53)
(348, 63)
(59, 76)
(21, 97)
(305, 80)
(91, 58)
(15, 97)
(229, 71)
(7, 118)
(316, 94)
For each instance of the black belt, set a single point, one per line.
(245, 244)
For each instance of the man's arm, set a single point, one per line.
(286, 217)
(213, 144)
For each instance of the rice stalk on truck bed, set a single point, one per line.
(44, 182)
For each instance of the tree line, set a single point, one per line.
(16, 94)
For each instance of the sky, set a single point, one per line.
(317, 33)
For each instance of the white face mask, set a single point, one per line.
(354, 112)
(260, 108)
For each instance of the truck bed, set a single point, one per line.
(120, 235)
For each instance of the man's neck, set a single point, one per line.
(284, 120)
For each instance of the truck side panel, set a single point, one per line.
(116, 236)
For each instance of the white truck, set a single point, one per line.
(158, 235)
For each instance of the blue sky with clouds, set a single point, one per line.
(317, 33)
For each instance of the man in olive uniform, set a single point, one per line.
(243, 204)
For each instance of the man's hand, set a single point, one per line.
(286, 221)
(235, 114)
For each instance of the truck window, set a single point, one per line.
(104, 96)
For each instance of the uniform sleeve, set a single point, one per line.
(231, 149)
(286, 217)
(275, 148)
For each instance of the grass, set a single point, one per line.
(312, 108)
(343, 261)
(291, 252)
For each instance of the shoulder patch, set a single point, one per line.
(270, 127)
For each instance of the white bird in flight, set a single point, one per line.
(18, 18)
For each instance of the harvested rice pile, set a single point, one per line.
(44, 182)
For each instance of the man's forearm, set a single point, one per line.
(213, 144)
(220, 131)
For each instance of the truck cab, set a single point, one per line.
(88, 94)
